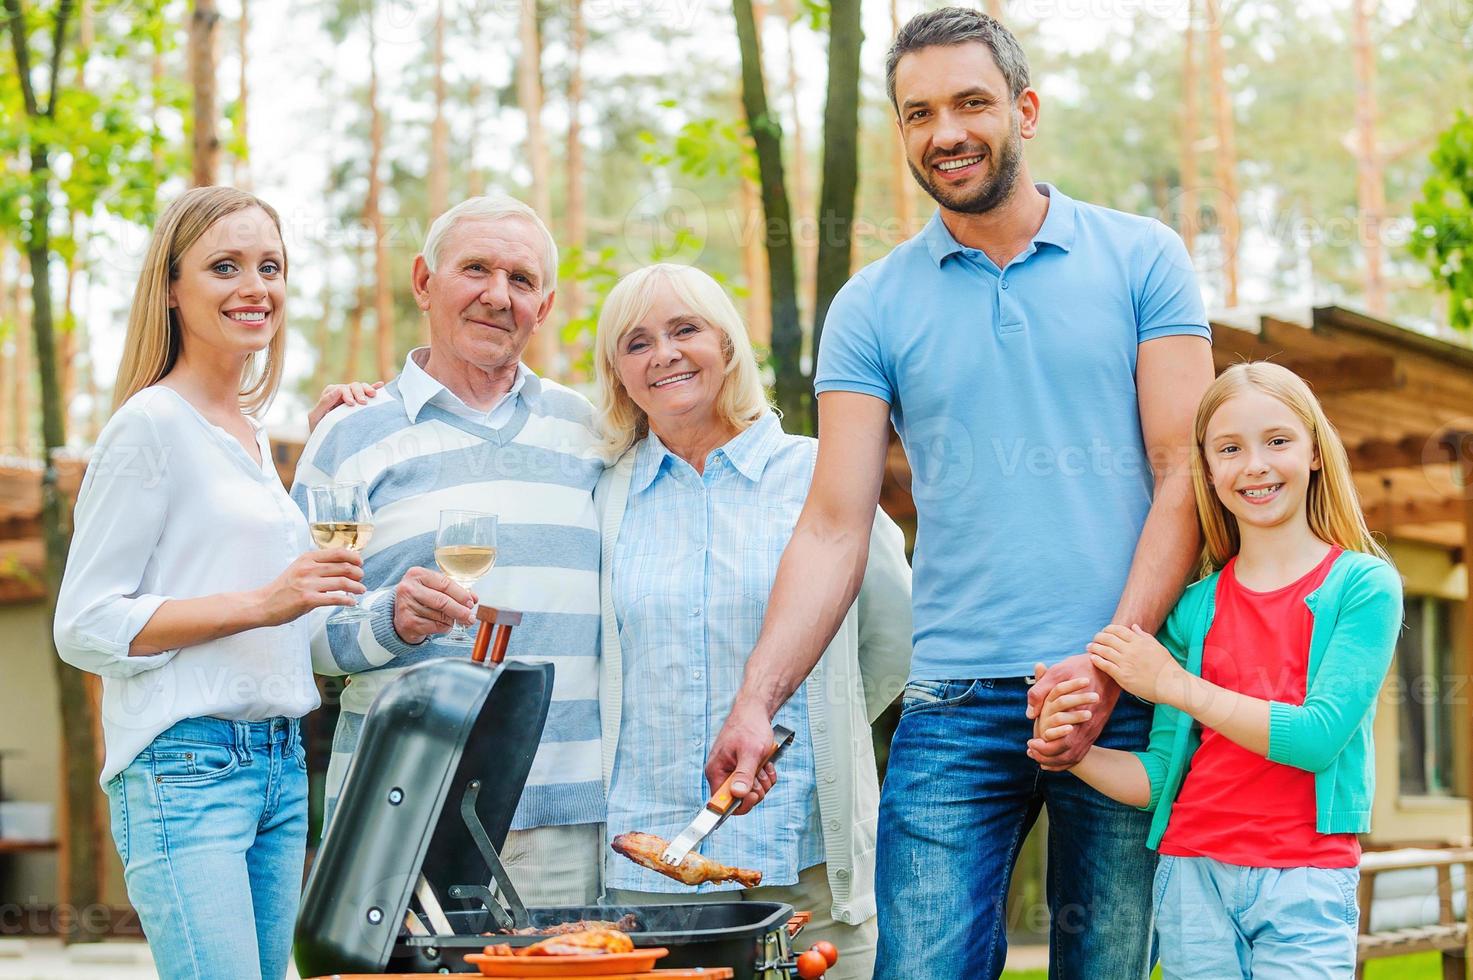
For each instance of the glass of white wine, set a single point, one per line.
(340, 517)
(465, 550)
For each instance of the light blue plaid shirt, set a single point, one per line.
(693, 566)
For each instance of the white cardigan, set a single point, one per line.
(862, 671)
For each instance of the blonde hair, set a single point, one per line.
(1332, 505)
(742, 400)
(154, 337)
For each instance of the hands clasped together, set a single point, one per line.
(1071, 701)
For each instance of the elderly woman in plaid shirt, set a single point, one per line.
(696, 512)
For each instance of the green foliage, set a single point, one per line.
(1444, 217)
(100, 143)
(703, 147)
(597, 272)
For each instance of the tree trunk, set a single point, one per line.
(24, 430)
(243, 161)
(1190, 122)
(994, 9)
(204, 20)
(81, 828)
(438, 185)
(901, 184)
(807, 228)
(791, 388)
(1225, 169)
(840, 162)
(7, 343)
(1370, 185)
(68, 327)
(383, 297)
(754, 264)
(542, 352)
(577, 203)
(355, 328)
(474, 179)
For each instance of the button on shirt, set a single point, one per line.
(1013, 391)
(693, 567)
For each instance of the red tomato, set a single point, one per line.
(811, 965)
(828, 950)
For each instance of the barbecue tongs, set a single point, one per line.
(720, 805)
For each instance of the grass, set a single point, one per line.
(1421, 966)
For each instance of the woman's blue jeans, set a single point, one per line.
(211, 823)
(959, 797)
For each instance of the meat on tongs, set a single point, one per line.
(645, 849)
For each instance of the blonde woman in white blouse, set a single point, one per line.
(186, 589)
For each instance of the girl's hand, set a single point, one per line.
(314, 579)
(1137, 662)
(352, 393)
(1066, 706)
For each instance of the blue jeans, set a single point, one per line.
(1224, 921)
(211, 823)
(959, 797)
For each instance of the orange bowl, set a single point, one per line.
(590, 965)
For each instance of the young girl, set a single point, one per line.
(1265, 677)
(188, 576)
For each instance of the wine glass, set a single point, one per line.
(340, 517)
(465, 550)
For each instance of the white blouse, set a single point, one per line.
(173, 507)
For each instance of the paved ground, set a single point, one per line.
(47, 959)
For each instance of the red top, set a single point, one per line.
(1235, 805)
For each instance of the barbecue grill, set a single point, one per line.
(409, 878)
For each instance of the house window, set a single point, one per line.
(1429, 696)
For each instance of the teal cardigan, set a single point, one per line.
(1357, 615)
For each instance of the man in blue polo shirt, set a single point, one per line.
(1041, 359)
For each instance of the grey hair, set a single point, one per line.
(959, 25)
(493, 207)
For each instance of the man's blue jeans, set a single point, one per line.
(959, 797)
(211, 823)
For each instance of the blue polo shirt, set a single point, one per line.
(1013, 391)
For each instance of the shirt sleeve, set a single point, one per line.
(1166, 720)
(1168, 301)
(1344, 689)
(117, 525)
(849, 354)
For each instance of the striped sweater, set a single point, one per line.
(537, 473)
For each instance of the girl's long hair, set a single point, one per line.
(154, 338)
(1332, 505)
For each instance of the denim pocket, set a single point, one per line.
(196, 763)
(919, 695)
(299, 753)
(1158, 892)
(117, 800)
(1348, 880)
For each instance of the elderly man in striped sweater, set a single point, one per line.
(466, 425)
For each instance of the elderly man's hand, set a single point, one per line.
(427, 602)
(1065, 752)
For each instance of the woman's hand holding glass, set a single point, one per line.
(315, 579)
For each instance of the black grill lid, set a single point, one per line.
(442, 733)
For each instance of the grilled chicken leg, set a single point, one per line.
(645, 849)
